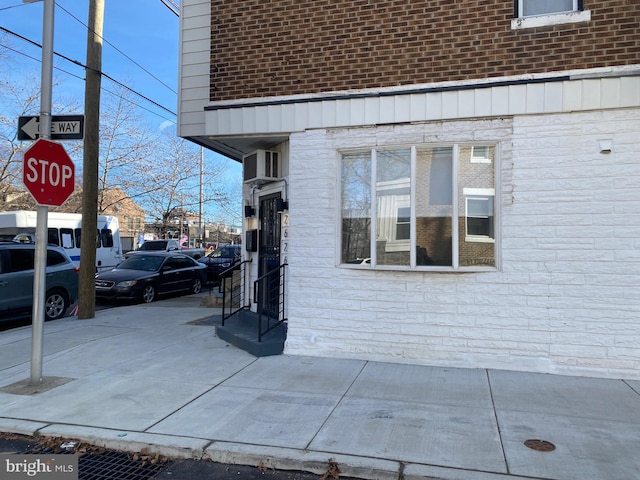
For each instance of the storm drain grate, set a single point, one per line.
(110, 465)
(540, 445)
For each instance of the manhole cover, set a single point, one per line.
(540, 445)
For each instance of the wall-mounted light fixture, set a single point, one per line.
(282, 205)
(249, 211)
(606, 146)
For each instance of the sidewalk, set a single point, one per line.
(150, 375)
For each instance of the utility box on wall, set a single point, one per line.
(251, 240)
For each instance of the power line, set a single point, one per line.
(117, 49)
(173, 6)
(76, 62)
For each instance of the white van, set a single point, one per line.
(64, 230)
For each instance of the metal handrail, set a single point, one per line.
(280, 315)
(228, 275)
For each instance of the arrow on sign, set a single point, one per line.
(63, 127)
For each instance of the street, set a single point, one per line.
(97, 462)
(25, 319)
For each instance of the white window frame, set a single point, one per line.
(521, 6)
(576, 15)
(480, 158)
(371, 262)
(477, 194)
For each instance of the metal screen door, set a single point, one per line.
(269, 255)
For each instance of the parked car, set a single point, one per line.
(166, 246)
(144, 276)
(16, 281)
(219, 260)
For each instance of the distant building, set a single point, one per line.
(130, 215)
(445, 183)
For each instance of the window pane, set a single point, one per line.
(22, 259)
(52, 236)
(542, 7)
(356, 208)
(393, 194)
(434, 209)
(54, 258)
(107, 237)
(476, 194)
(66, 235)
(403, 225)
(480, 216)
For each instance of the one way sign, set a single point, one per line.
(63, 127)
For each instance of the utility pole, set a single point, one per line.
(93, 73)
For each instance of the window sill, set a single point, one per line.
(480, 267)
(548, 20)
(478, 239)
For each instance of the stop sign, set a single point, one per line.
(48, 173)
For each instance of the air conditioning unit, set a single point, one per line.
(261, 166)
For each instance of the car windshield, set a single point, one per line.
(151, 245)
(149, 263)
(224, 252)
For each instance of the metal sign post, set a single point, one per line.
(39, 278)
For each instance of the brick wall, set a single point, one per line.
(285, 47)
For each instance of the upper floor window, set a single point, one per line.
(530, 8)
(421, 207)
(541, 13)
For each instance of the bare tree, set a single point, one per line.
(125, 142)
(172, 176)
(15, 100)
(20, 96)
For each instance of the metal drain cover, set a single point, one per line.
(540, 445)
(110, 465)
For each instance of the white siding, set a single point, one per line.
(488, 101)
(195, 59)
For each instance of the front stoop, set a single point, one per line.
(241, 330)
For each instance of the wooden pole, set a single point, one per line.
(86, 294)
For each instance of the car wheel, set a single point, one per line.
(148, 293)
(56, 304)
(197, 286)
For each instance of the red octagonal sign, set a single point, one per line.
(48, 173)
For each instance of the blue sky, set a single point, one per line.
(140, 49)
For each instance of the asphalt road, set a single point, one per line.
(24, 320)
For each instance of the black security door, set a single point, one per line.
(269, 255)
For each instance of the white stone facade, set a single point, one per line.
(565, 295)
(565, 298)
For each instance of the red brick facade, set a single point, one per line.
(283, 47)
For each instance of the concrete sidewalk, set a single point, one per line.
(150, 375)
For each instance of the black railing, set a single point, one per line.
(232, 286)
(269, 294)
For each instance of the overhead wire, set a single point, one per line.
(102, 73)
(173, 6)
(80, 64)
(116, 48)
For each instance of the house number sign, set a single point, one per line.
(285, 238)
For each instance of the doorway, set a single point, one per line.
(269, 255)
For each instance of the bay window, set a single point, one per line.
(420, 207)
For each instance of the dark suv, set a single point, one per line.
(16, 281)
(219, 260)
